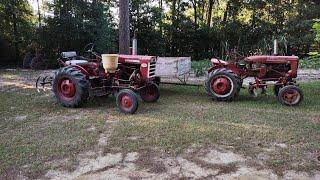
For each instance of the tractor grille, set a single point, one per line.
(152, 69)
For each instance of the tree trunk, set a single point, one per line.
(225, 15)
(39, 13)
(124, 31)
(172, 34)
(194, 4)
(160, 23)
(209, 16)
(15, 34)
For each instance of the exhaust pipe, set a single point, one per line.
(134, 44)
(275, 47)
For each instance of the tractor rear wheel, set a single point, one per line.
(127, 101)
(290, 95)
(71, 87)
(150, 93)
(223, 84)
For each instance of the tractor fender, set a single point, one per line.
(228, 67)
(83, 70)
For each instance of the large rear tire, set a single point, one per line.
(223, 85)
(150, 93)
(127, 101)
(71, 87)
(290, 95)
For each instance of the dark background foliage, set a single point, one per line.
(197, 28)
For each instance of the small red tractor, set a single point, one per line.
(123, 75)
(225, 79)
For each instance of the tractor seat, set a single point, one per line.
(76, 62)
(217, 61)
(73, 58)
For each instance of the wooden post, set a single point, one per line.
(124, 32)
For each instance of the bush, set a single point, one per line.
(310, 62)
(200, 67)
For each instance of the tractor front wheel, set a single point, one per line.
(70, 87)
(222, 85)
(127, 101)
(290, 95)
(150, 93)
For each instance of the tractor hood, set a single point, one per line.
(271, 59)
(136, 59)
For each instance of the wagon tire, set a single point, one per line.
(290, 95)
(223, 85)
(127, 101)
(70, 86)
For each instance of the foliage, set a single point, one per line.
(144, 19)
(310, 62)
(77, 23)
(16, 21)
(200, 67)
(316, 29)
(198, 28)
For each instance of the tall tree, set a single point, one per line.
(16, 24)
(209, 12)
(124, 31)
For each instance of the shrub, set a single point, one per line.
(200, 67)
(310, 62)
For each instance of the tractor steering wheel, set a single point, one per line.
(89, 48)
(235, 56)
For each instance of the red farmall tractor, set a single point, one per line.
(122, 75)
(225, 79)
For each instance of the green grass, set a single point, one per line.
(184, 116)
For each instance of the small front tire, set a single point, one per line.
(127, 101)
(150, 93)
(290, 95)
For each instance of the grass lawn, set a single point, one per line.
(35, 130)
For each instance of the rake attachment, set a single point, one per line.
(42, 82)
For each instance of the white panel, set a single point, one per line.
(173, 66)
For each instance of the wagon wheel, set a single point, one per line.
(150, 93)
(127, 101)
(290, 95)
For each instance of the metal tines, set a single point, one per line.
(42, 82)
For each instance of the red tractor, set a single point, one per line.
(225, 79)
(80, 77)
